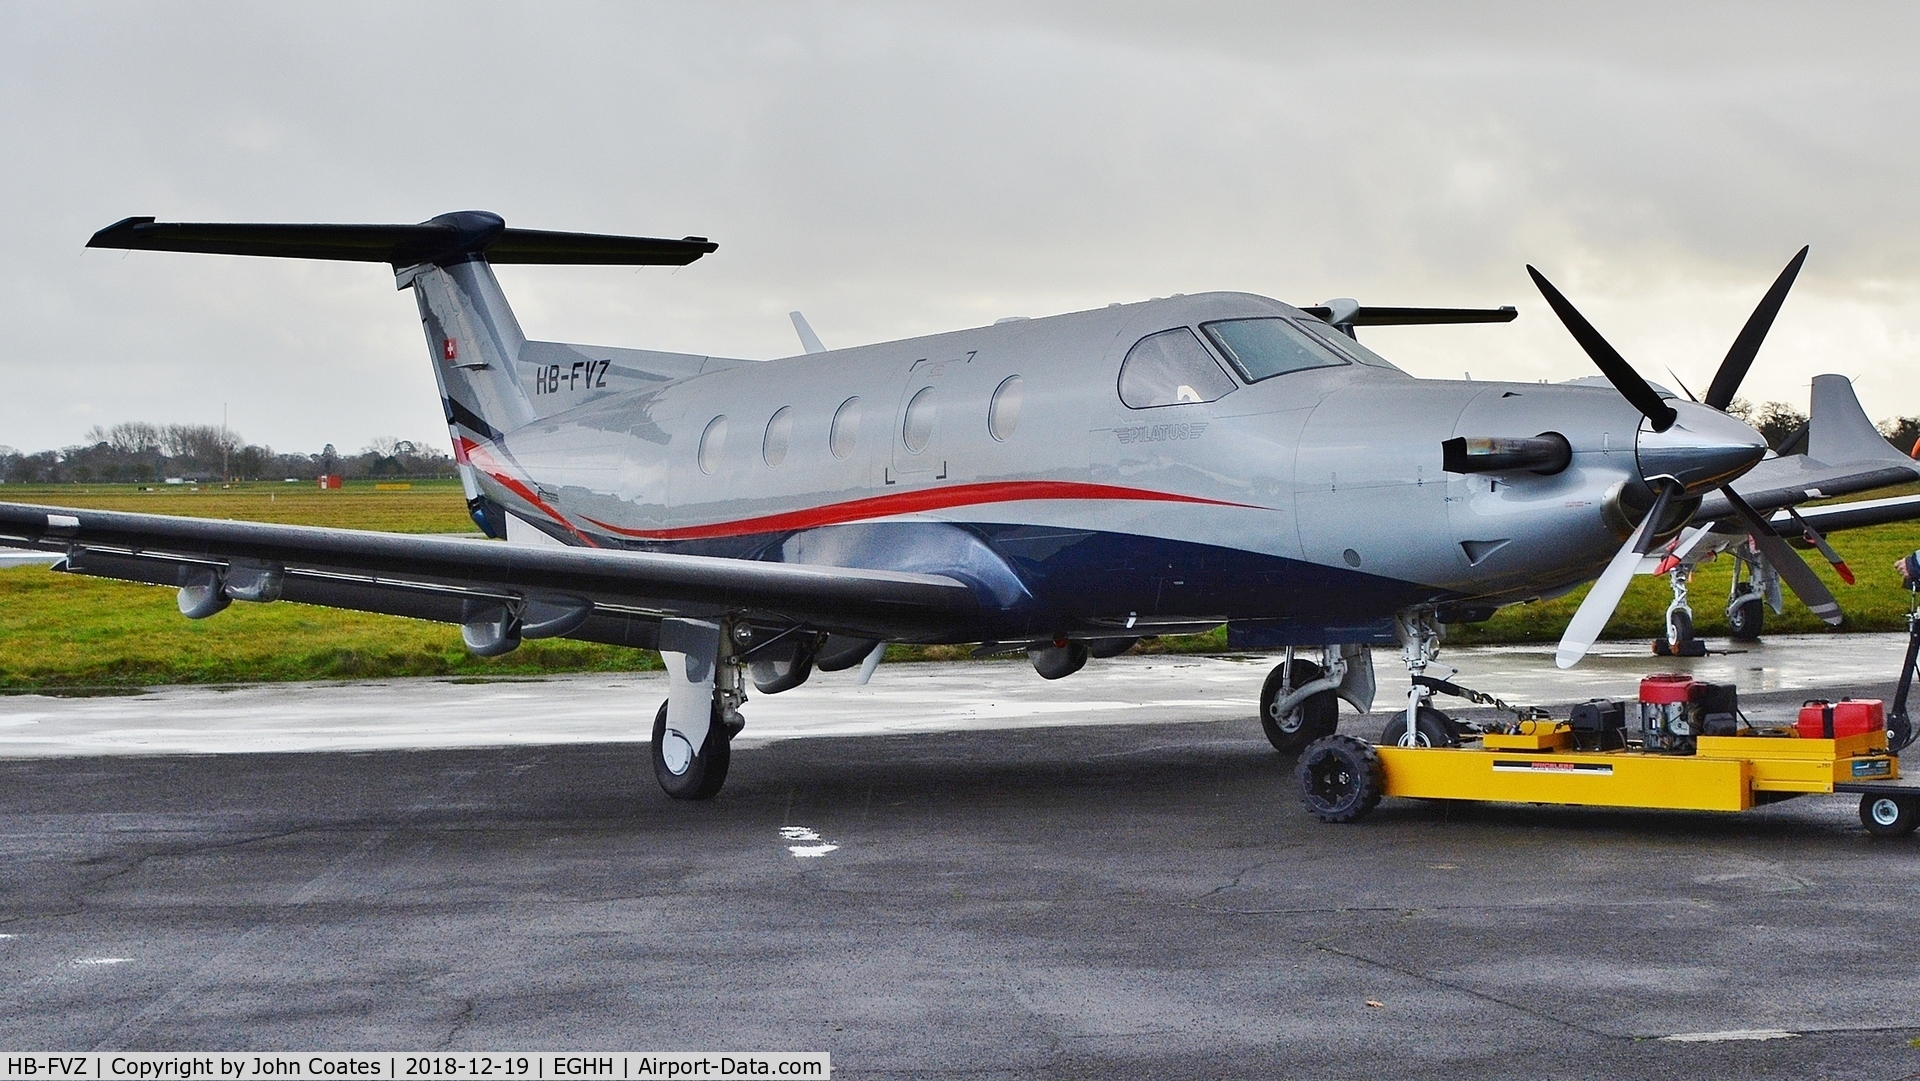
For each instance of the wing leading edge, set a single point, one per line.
(616, 597)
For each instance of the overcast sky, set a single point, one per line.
(894, 170)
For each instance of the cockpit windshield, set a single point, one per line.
(1342, 344)
(1263, 348)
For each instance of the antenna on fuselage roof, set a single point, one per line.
(808, 339)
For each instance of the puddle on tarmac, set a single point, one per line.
(76, 692)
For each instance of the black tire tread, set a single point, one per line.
(1903, 825)
(1355, 800)
(708, 772)
(1435, 725)
(1320, 714)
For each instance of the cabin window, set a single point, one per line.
(917, 428)
(1003, 412)
(846, 428)
(712, 442)
(773, 447)
(1264, 348)
(1170, 368)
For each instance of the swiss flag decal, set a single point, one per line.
(450, 350)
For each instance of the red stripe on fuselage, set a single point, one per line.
(497, 472)
(915, 502)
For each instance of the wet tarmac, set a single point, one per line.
(434, 713)
(997, 880)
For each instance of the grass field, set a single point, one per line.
(61, 630)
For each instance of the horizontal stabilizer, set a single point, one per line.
(1371, 316)
(447, 238)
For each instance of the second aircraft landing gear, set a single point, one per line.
(1746, 615)
(1677, 639)
(1756, 586)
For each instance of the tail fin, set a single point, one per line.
(1838, 430)
(475, 340)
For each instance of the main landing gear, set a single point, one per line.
(694, 729)
(1300, 701)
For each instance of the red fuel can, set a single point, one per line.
(1820, 719)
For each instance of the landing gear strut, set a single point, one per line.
(1420, 725)
(1755, 585)
(1300, 701)
(1290, 720)
(693, 731)
(1677, 639)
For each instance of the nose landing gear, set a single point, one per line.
(1676, 639)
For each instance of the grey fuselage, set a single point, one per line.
(1310, 506)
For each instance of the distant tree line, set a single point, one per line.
(139, 453)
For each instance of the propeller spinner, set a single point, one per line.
(1685, 449)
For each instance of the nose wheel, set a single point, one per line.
(1432, 729)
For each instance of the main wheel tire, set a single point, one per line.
(705, 770)
(1341, 778)
(1318, 716)
(1745, 616)
(1889, 816)
(1431, 729)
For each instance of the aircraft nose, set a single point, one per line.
(1704, 448)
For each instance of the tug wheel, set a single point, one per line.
(1318, 716)
(1432, 728)
(1341, 778)
(1889, 816)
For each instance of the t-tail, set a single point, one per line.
(488, 377)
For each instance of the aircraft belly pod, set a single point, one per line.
(1062, 486)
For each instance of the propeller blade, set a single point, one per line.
(1628, 382)
(1726, 381)
(1602, 599)
(1683, 385)
(1660, 501)
(1813, 537)
(1792, 569)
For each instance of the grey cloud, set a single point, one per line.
(901, 169)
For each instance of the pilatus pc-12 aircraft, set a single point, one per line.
(1062, 486)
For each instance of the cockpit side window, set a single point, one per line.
(1344, 345)
(1171, 368)
(1264, 348)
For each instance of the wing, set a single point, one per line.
(1856, 515)
(594, 595)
